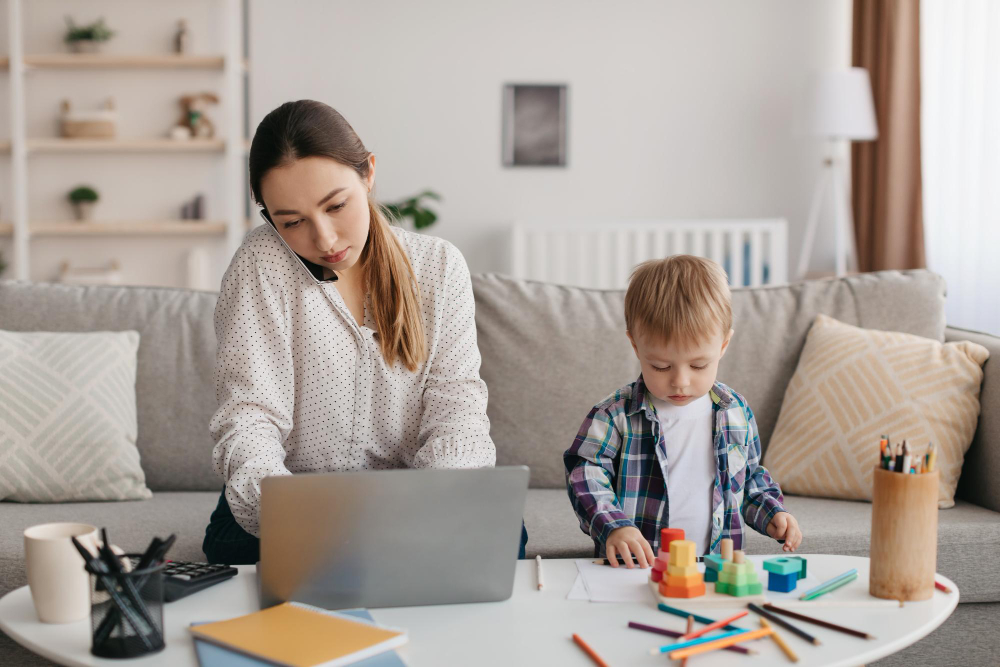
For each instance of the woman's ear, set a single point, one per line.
(370, 180)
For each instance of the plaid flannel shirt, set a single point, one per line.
(616, 469)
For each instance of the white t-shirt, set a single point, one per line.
(691, 466)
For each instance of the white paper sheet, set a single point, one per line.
(604, 583)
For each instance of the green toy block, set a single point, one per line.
(738, 591)
(783, 565)
(740, 568)
(802, 572)
(742, 579)
(714, 562)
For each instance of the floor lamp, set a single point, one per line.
(837, 106)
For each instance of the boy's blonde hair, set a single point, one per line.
(683, 298)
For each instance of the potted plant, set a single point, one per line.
(414, 209)
(83, 199)
(87, 38)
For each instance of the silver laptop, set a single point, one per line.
(391, 538)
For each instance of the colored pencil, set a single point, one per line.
(842, 580)
(828, 582)
(538, 572)
(598, 660)
(783, 623)
(941, 587)
(690, 627)
(712, 626)
(684, 614)
(667, 648)
(789, 653)
(719, 643)
(815, 621)
(674, 633)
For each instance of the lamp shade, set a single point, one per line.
(838, 105)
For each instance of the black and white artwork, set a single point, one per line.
(534, 131)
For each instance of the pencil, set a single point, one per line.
(783, 623)
(815, 621)
(684, 614)
(690, 627)
(941, 587)
(674, 633)
(676, 646)
(538, 572)
(780, 642)
(826, 583)
(598, 660)
(719, 643)
(843, 580)
(712, 626)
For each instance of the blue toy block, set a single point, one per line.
(782, 583)
(714, 562)
(783, 565)
(711, 575)
(802, 572)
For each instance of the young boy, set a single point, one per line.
(674, 448)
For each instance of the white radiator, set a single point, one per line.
(752, 252)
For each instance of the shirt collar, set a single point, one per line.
(720, 394)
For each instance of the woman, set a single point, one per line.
(374, 367)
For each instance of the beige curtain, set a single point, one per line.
(885, 174)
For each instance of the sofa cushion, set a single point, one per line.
(550, 353)
(175, 391)
(965, 532)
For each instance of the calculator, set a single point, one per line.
(182, 578)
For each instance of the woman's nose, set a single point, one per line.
(325, 236)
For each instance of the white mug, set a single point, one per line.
(60, 586)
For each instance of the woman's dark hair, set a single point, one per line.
(307, 128)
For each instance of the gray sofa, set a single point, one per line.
(549, 353)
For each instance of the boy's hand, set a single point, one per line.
(625, 542)
(783, 526)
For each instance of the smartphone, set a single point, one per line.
(315, 271)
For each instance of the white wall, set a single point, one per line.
(676, 108)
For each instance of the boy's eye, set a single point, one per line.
(657, 368)
(700, 368)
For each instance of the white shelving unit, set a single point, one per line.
(231, 146)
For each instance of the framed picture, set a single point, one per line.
(534, 125)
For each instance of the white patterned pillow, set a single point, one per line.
(68, 417)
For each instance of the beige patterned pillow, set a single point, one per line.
(851, 386)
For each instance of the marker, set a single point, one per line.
(538, 572)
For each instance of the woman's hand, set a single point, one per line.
(626, 542)
(783, 526)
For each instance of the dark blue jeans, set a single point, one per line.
(227, 542)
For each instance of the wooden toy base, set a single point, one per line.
(708, 600)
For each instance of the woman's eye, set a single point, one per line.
(338, 206)
(293, 223)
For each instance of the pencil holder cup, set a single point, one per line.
(126, 613)
(904, 535)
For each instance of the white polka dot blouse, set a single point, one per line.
(303, 388)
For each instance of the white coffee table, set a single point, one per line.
(533, 627)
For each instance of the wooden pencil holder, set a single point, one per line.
(904, 535)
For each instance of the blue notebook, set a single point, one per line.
(213, 655)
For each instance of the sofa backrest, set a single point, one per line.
(549, 354)
(175, 391)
